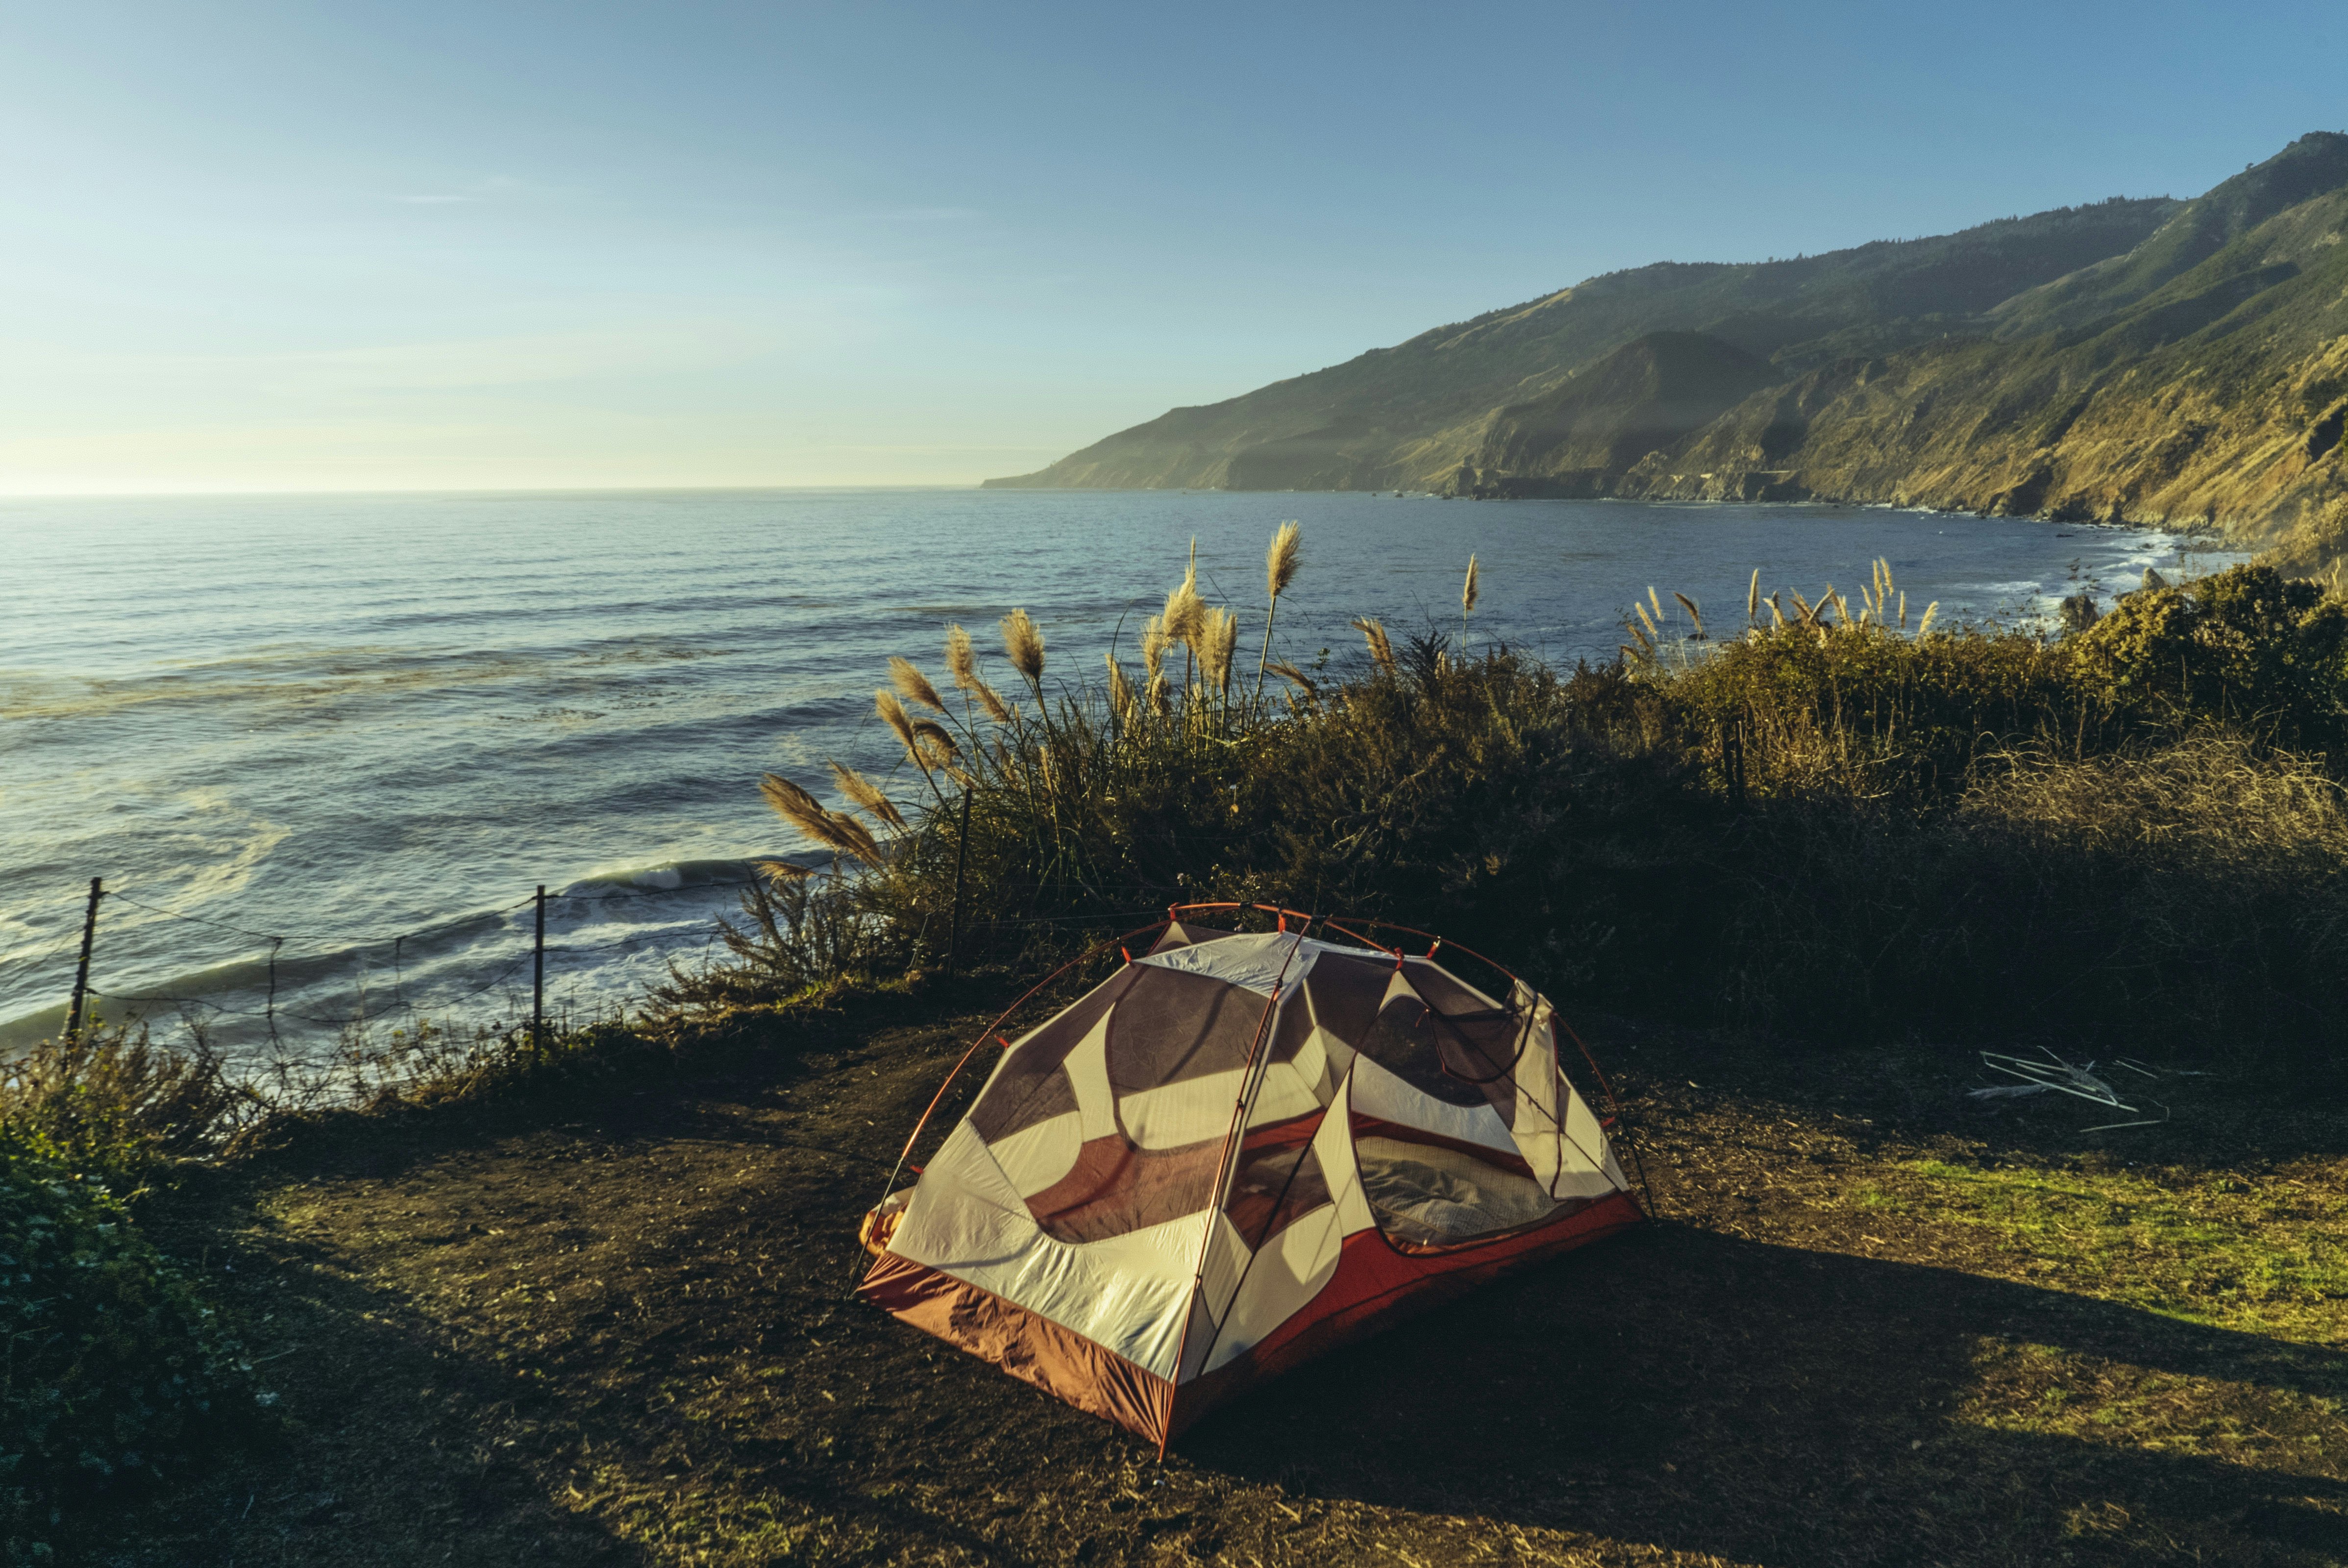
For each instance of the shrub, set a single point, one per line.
(112, 1100)
(2246, 647)
(1824, 823)
(118, 1373)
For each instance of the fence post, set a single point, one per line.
(962, 858)
(538, 976)
(81, 974)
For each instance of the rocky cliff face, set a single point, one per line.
(2182, 363)
(2209, 394)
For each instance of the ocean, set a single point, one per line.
(324, 749)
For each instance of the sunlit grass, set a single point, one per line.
(2267, 1258)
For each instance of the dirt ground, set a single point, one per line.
(1871, 1325)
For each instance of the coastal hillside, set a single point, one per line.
(1371, 413)
(2154, 360)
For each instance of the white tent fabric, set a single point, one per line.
(1238, 1142)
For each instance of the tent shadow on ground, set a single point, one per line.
(1704, 1393)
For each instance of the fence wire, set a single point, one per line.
(257, 1000)
(316, 960)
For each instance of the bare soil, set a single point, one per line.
(612, 1325)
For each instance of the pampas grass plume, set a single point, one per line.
(1468, 592)
(1153, 646)
(1023, 644)
(1693, 614)
(864, 793)
(1281, 560)
(855, 840)
(1185, 619)
(935, 741)
(834, 830)
(1121, 696)
(1218, 636)
(962, 660)
(795, 805)
(893, 713)
(911, 684)
(1295, 677)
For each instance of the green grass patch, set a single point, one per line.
(2267, 1258)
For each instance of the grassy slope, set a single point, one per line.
(2198, 400)
(2308, 169)
(1875, 1326)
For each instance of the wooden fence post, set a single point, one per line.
(538, 976)
(81, 974)
(962, 858)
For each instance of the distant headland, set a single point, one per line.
(2182, 363)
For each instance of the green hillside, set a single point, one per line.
(2148, 360)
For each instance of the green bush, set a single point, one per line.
(117, 1373)
(111, 1101)
(2246, 647)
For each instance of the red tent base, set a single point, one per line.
(1377, 1284)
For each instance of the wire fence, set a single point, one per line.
(338, 983)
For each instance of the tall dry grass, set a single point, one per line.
(116, 1101)
(2132, 831)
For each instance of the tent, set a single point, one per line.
(1238, 1151)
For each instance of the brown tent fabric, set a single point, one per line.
(1236, 1152)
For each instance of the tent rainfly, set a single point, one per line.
(1237, 1152)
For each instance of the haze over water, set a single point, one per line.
(345, 720)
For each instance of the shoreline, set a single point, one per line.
(2215, 530)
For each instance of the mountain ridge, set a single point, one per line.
(2146, 360)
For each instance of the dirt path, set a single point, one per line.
(624, 1337)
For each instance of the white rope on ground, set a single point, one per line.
(2060, 1076)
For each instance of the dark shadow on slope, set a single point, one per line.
(1775, 1405)
(399, 1444)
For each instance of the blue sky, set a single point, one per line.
(425, 245)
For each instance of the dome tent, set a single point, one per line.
(1236, 1152)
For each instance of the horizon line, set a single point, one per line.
(231, 493)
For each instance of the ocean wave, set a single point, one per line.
(667, 875)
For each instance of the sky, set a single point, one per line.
(363, 246)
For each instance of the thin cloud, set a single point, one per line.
(489, 189)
